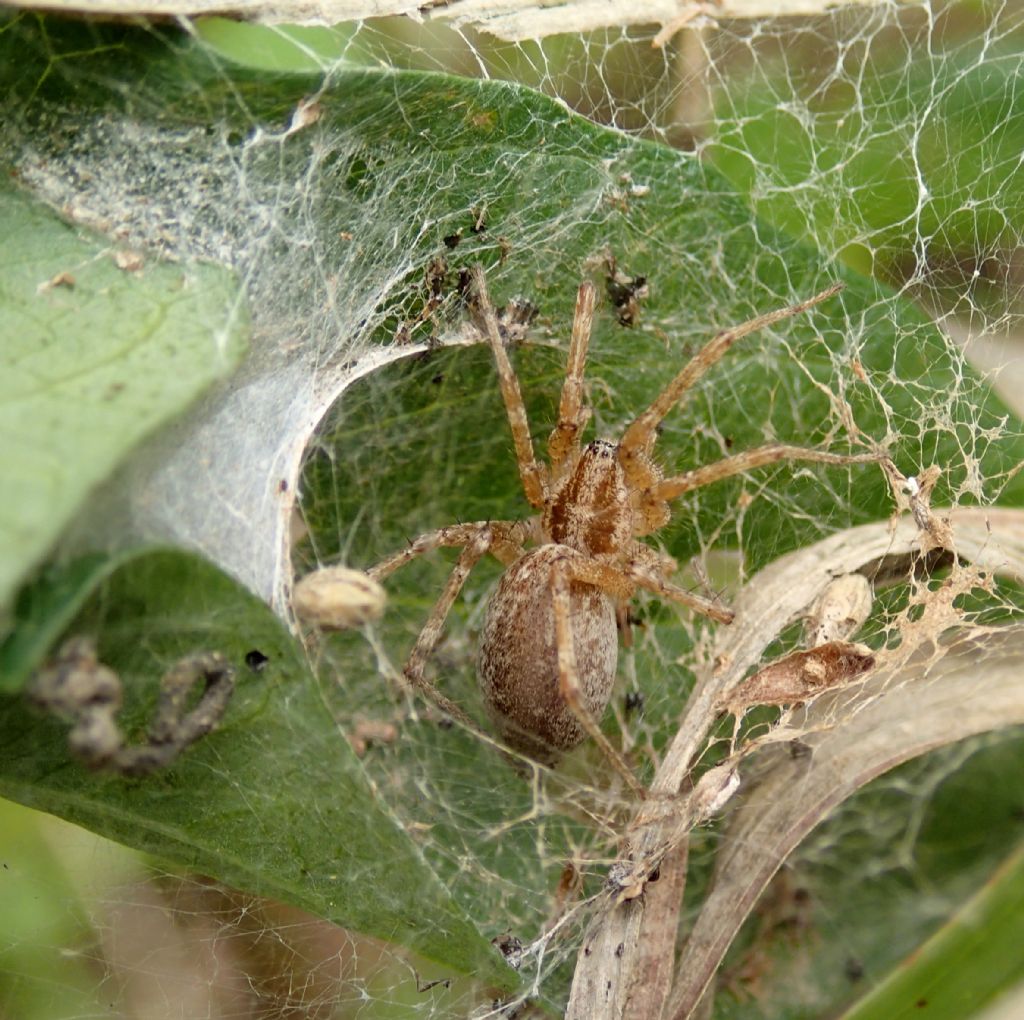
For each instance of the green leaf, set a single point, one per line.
(274, 802)
(965, 964)
(92, 359)
(45, 609)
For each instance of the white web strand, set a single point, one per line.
(223, 481)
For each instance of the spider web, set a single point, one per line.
(749, 164)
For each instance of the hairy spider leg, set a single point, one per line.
(502, 539)
(672, 488)
(654, 492)
(428, 638)
(659, 586)
(621, 586)
(652, 501)
(564, 442)
(529, 470)
(613, 583)
(638, 440)
(507, 539)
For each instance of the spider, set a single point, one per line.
(549, 646)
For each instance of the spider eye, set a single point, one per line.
(601, 447)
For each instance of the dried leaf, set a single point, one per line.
(801, 676)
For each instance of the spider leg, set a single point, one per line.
(564, 442)
(431, 633)
(568, 678)
(638, 439)
(671, 488)
(711, 608)
(529, 469)
(507, 539)
(647, 568)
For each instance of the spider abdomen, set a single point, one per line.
(518, 664)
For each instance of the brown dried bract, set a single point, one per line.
(802, 675)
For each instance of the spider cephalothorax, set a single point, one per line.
(590, 511)
(549, 644)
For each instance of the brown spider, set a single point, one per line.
(549, 647)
